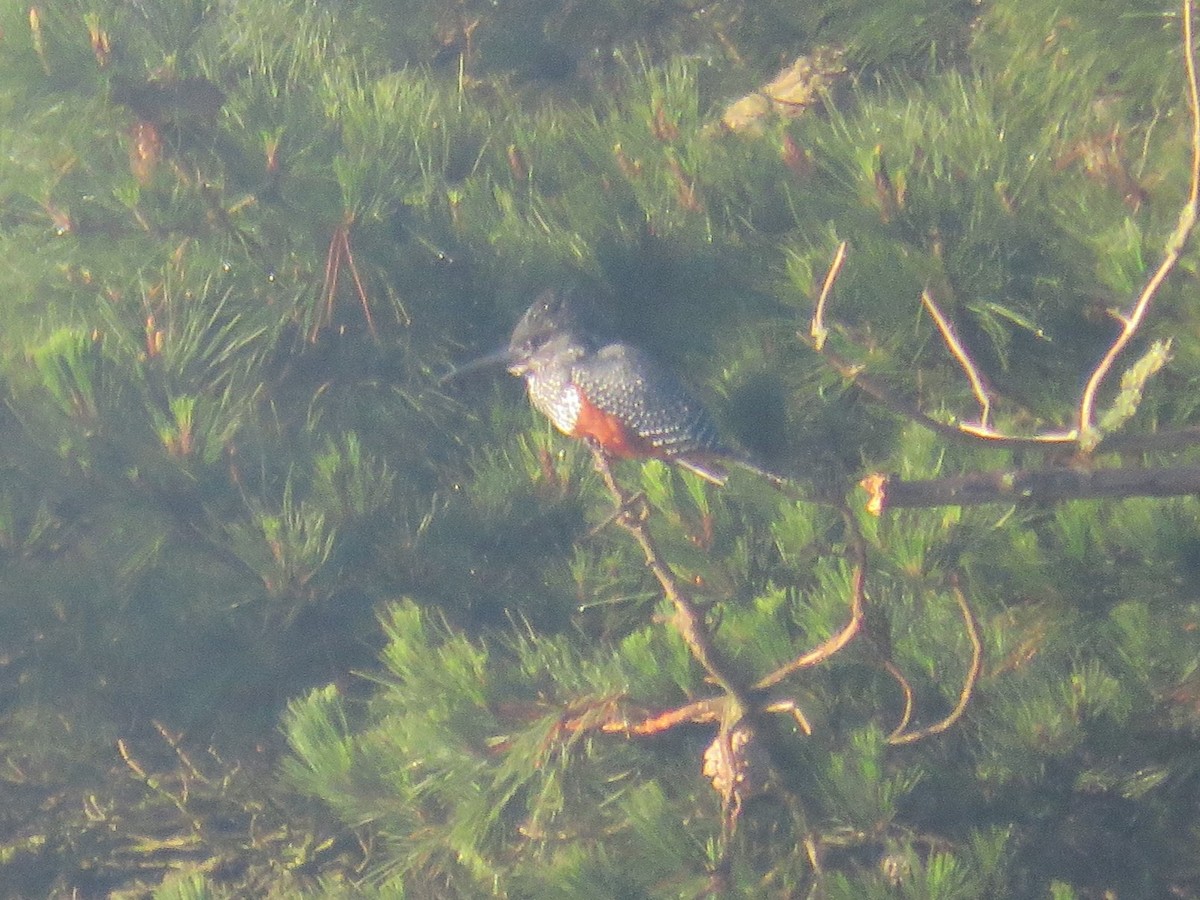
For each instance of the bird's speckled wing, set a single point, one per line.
(649, 399)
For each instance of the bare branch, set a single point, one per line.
(699, 712)
(879, 392)
(899, 736)
(817, 330)
(1029, 486)
(1132, 321)
(909, 697)
(688, 619)
(954, 345)
(1084, 435)
(858, 553)
(731, 709)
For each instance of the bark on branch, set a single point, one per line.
(1030, 486)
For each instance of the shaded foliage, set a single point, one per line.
(279, 611)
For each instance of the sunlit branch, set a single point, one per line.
(858, 554)
(1131, 322)
(1084, 434)
(899, 736)
(906, 688)
(883, 395)
(959, 352)
(688, 619)
(816, 329)
(700, 712)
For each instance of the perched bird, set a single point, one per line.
(615, 396)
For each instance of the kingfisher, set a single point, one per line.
(613, 395)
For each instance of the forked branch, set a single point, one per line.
(858, 579)
(740, 701)
(1086, 434)
(1132, 321)
(900, 736)
(688, 619)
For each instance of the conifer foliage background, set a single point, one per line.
(280, 615)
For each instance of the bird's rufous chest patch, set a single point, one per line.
(607, 430)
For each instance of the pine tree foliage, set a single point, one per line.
(281, 614)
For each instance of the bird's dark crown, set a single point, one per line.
(554, 314)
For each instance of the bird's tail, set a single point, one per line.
(716, 468)
(778, 479)
(706, 467)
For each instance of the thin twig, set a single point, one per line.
(909, 699)
(1177, 439)
(177, 745)
(688, 619)
(699, 712)
(822, 652)
(856, 375)
(329, 286)
(1084, 433)
(359, 287)
(1171, 252)
(877, 391)
(341, 253)
(816, 328)
(899, 736)
(133, 764)
(955, 346)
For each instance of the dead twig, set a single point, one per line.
(958, 351)
(341, 254)
(699, 712)
(1132, 321)
(882, 394)
(817, 330)
(899, 736)
(688, 618)
(905, 688)
(858, 579)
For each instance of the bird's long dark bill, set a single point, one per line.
(499, 358)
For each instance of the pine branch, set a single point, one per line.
(1131, 322)
(858, 551)
(1029, 486)
(1087, 434)
(900, 735)
(688, 619)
